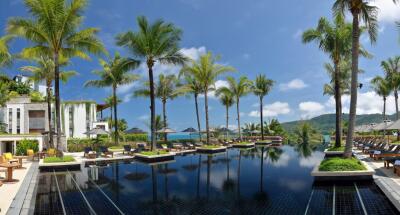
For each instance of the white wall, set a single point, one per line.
(14, 108)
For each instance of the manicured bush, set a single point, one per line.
(336, 149)
(341, 164)
(24, 145)
(67, 158)
(210, 146)
(135, 137)
(151, 153)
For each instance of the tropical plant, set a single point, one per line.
(110, 102)
(391, 68)
(194, 87)
(54, 29)
(226, 99)
(238, 89)
(156, 42)
(165, 89)
(251, 127)
(262, 86)
(115, 73)
(381, 87)
(206, 71)
(303, 132)
(344, 79)
(44, 71)
(20, 88)
(5, 56)
(359, 9)
(4, 93)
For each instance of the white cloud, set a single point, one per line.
(218, 84)
(272, 110)
(370, 103)
(144, 118)
(310, 109)
(388, 11)
(297, 34)
(295, 84)
(246, 56)
(127, 88)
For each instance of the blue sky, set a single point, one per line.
(253, 36)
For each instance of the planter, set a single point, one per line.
(206, 150)
(264, 143)
(343, 175)
(154, 158)
(333, 153)
(243, 145)
(62, 166)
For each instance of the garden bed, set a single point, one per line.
(342, 169)
(154, 156)
(243, 145)
(59, 164)
(210, 149)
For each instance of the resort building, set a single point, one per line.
(39, 86)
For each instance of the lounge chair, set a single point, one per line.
(9, 158)
(128, 149)
(389, 160)
(393, 153)
(31, 154)
(189, 145)
(383, 148)
(87, 151)
(105, 152)
(51, 152)
(177, 146)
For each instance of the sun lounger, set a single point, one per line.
(129, 150)
(394, 152)
(105, 152)
(384, 148)
(389, 160)
(9, 158)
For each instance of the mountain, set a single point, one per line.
(326, 122)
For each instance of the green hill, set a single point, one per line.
(326, 123)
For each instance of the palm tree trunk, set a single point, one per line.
(150, 64)
(115, 115)
(238, 117)
(338, 133)
(48, 91)
(354, 83)
(396, 100)
(111, 117)
(197, 114)
(57, 96)
(206, 107)
(227, 121)
(165, 119)
(384, 115)
(261, 118)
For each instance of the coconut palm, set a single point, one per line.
(238, 89)
(5, 56)
(383, 88)
(115, 73)
(262, 86)
(391, 68)
(192, 86)
(359, 9)
(226, 98)
(334, 39)
(206, 71)
(110, 102)
(54, 29)
(44, 71)
(155, 43)
(165, 89)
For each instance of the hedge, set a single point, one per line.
(25, 144)
(135, 137)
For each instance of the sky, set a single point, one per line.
(254, 36)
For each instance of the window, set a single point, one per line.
(18, 121)
(71, 121)
(10, 120)
(37, 121)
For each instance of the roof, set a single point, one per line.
(190, 130)
(382, 126)
(395, 125)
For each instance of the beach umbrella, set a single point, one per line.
(394, 126)
(190, 130)
(135, 131)
(382, 126)
(96, 131)
(166, 131)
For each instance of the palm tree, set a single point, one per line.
(194, 87)
(238, 89)
(392, 71)
(226, 99)
(334, 39)
(368, 14)
(206, 71)
(5, 56)
(44, 71)
(110, 102)
(156, 42)
(382, 87)
(115, 73)
(54, 29)
(262, 86)
(165, 89)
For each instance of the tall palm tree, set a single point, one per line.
(5, 55)
(194, 87)
(206, 71)
(55, 29)
(262, 86)
(226, 98)
(238, 89)
(156, 42)
(334, 39)
(382, 87)
(110, 102)
(391, 68)
(165, 89)
(44, 71)
(359, 9)
(115, 73)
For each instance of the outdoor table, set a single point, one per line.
(20, 160)
(9, 167)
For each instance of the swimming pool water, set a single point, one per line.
(262, 180)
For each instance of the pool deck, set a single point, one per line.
(387, 181)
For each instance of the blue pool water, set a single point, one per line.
(262, 180)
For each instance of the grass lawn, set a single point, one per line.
(244, 143)
(116, 147)
(152, 153)
(337, 149)
(341, 164)
(210, 146)
(67, 158)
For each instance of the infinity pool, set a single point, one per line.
(261, 180)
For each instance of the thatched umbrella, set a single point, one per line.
(166, 131)
(96, 131)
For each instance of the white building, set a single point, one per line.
(39, 86)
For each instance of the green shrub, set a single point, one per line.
(151, 153)
(135, 137)
(24, 145)
(210, 146)
(67, 158)
(336, 149)
(341, 164)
